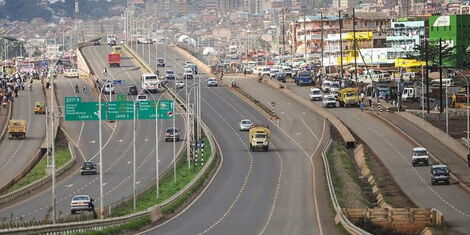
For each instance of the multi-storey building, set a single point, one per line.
(405, 34)
(454, 31)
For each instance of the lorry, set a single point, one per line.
(259, 137)
(16, 128)
(412, 93)
(349, 97)
(304, 78)
(114, 59)
(111, 39)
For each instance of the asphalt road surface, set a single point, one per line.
(254, 192)
(395, 152)
(117, 150)
(15, 153)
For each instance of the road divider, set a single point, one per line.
(8, 116)
(18, 194)
(340, 217)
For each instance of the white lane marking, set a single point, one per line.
(92, 142)
(414, 169)
(81, 131)
(68, 185)
(311, 131)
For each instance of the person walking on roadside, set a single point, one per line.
(370, 100)
(361, 105)
(468, 159)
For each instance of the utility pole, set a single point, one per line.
(341, 44)
(305, 40)
(283, 33)
(427, 73)
(441, 108)
(355, 44)
(321, 22)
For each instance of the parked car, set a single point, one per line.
(88, 168)
(329, 101)
(280, 76)
(132, 90)
(272, 72)
(211, 82)
(419, 156)
(440, 174)
(315, 94)
(171, 134)
(81, 203)
(245, 124)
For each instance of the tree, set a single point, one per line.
(419, 53)
(264, 44)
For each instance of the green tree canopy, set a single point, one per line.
(419, 53)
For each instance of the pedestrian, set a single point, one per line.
(16, 91)
(377, 97)
(222, 74)
(370, 100)
(362, 96)
(387, 97)
(244, 72)
(361, 105)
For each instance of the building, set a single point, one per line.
(454, 31)
(306, 33)
(253, 6)
(405, 35)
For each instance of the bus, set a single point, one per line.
(150, 82)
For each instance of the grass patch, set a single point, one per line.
(39, 171)
(129, 226)
(345, 177)
(168, 187)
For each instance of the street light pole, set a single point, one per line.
(134, 157)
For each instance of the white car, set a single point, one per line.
(108, 88)
(81, 203)
(211, 82)
(245, 124)
(334, 86)
(141, 97)
(315, 94)
(325, 86)
(179, 84)
(329, 101)
(419, 156)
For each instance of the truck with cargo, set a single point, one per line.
(114, 60)
(259, 135)
(16, 128)
(349, 97)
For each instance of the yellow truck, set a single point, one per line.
(39, 107)
(349, 97)
(16, 128)
(259, 137)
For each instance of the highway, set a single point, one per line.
(117, 151)
(394, 151)
(271, 192)
(17, 153)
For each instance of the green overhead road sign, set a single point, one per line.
(146, 109)
(73, 99)
(120, 110)
(83, 111)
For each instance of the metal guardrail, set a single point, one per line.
(340, 216)
(100, 224)
(4, 199)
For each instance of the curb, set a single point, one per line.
(414, 142)
(5, 128)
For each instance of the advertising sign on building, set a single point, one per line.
(442, 21)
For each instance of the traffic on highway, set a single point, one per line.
(234, 117)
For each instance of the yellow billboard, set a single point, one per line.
(407, 63)
(359, 36)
